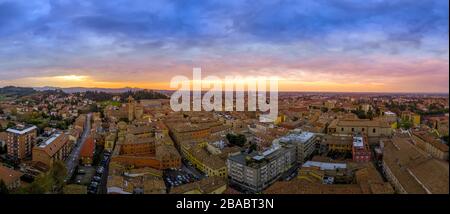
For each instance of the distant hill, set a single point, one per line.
(16, 91)
(82, 89)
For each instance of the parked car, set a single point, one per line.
(100, 170)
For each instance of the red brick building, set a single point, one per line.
(360, 149)
(87, 152)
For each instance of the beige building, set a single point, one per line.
(210, 185)
(370, 128)
(198, 155)
(431, 145)
(411, 170)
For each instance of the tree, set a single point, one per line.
(238, 140)
(369, 114)
(58, 174)
(35, 188)
(10, 125)
(50, 182)
(94, 108)
(406, 124)
(377, 111)
(3, 188)
(253, 147)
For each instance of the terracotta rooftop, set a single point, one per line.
(53, 144)
(416, 171)
(9, 175)
(88, 148)
(204, 186)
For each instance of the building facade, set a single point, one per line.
(20, 141)
(360, 149)
(57, 147)
(256, 171)
(373, 129)
(305, 143)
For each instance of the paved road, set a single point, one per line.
(72, 160)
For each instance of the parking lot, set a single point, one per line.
(177, 177)
(98, 182)
(84, 175)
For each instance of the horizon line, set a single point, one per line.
(284, 91)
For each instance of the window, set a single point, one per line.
(353, 129)
(374, 130)
(342, 129)
(362, 129)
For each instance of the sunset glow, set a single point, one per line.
(311, 46)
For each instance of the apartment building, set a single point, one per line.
(305, 143)
(57, 147)
(20, 141)
(253, 172)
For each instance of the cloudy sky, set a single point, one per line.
(321, 45)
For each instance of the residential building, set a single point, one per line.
(210, 185)
(199, 156)
(255, 171)
(305, 143)
(337, 143)
(87, 151)
(20, 141)
(57, 147)
(368, 181)
(360, 149)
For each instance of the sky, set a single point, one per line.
(320, 45)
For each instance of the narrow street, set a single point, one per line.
(72, 160)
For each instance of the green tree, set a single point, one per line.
(406, 124)
(50, 182)
(10, 125)
(58, 173)
(36, 188)
(238, 140)
(253, 147)
(3, 188)
(369, 114)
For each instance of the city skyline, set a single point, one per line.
(321, 46)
